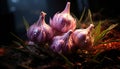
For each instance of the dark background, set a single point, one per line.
(12, 12)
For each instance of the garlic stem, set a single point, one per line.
(67, 8)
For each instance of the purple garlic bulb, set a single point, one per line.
(63, 21)
(82, 37)
(40, 31)
(62, 43)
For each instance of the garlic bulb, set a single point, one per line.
(82, 37)
(40, 31)
(63, 22)
(62, 43)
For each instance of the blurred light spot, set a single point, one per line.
(12, 9)
(15, 1)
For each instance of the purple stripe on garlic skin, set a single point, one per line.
(40, 31)
(63, 21)
(82, 37)
(61, 43)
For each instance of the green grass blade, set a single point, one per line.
(110, 41)
(97, 30)
(78, 25)
(96, 61)
(83, 13)
(90, 16)
(103, 33)
(25, 23)
(22, 42)
(77, 21)
(66, 59)
(100, 37)
(112, 26)
(17, 43)
(16, 37)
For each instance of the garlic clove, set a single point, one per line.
(61, 43)
(82, 37)
(63, 22)
(40, 31)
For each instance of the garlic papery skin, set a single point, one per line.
(82, 37)
(40, 31)
(62, 43)
(63, 22)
